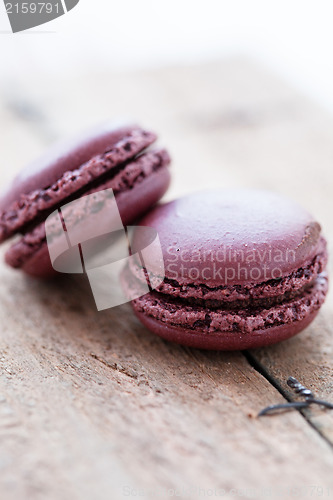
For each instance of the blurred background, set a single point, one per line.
(293, 38)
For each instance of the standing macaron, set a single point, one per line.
(243, 268)
(107, 157)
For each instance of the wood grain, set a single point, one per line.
(94, 406)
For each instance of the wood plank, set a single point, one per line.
(98, 404)
(91, 403)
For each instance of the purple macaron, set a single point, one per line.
(106, 157)
(243, 269)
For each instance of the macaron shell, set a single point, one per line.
(257, 229)
(229, 341)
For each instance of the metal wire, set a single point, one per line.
(300, 390)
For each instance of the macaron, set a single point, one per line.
(242, 269)
(108, 157)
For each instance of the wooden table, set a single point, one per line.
(92, 405)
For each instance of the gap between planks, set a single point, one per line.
(264, 371)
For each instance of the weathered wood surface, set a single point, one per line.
(91, 404)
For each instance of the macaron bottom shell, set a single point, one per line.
(226, 341)
(229, 329)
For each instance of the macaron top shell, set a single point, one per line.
(234, 237)
(68, 156)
